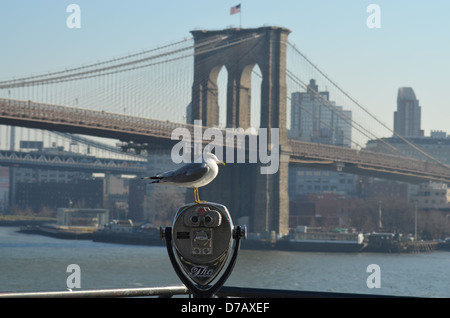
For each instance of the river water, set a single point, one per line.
(38, 263)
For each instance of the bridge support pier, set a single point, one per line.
(263, 197)
(271, 200)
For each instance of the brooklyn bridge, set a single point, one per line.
(140, 99)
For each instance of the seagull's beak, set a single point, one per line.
(221, 162)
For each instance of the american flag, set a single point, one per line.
(235, 9)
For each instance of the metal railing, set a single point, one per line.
(181, 290)
(167, 291)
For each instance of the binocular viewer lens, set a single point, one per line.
(203, 216)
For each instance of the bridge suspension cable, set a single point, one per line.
(334, 109)
(99, 69)
(148, 94)
(32, 79)
(391, 147)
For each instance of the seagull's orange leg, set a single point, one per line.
(196, 197)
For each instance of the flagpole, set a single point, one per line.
(240, 19)
(237, 9)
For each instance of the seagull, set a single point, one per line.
(193, 175)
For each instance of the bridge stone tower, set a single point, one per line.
(262, 197)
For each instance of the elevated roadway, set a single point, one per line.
(158, 133)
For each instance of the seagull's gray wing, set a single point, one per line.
(188, 173)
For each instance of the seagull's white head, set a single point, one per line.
(211, 156)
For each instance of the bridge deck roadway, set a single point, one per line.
(141, 130)
(365, 162)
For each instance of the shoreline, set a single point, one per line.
(285, 245)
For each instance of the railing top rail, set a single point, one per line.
(166, 291)
(169, 291)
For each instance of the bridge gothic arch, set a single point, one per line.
(244, 92)
(239, 51)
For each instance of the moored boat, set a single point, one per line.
(322, 241)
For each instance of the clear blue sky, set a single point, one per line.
(412, 47)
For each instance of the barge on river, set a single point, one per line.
(323, 242)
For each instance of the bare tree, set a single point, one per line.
(433, 224)
(163, 203)
(396, 215)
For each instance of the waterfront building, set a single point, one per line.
(432, 196)
(31, 175)
(53, 195)
(436, 145)
(316, 118)
(407, 118)
(407, 123)
(369, 187)
(136, 199)
(4, 188)
(93, 218)
(305, 181)
(322, 209)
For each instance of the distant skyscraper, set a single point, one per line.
(317, 119)
(314, 118)
(407, 116)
